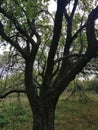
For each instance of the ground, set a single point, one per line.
(15, 114)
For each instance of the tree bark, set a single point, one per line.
(43, 119)
(44, 115)
(42, 106)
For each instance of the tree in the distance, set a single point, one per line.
(49, 47)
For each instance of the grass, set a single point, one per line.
(15, 114)
(76, 116)
(70, 115)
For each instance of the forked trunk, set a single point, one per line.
(43, 107)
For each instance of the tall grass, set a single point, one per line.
(15, 114)
(70, 115)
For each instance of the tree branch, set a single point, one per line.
(74, 8)
(17, 25)
(59, 83)
(78, 31)
(56, 36)
(90, 31)
(10, 92)
(67, 56)
(8, 39)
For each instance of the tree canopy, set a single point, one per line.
(54, 48)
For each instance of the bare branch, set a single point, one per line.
(67, 56)
(74, 8)
(78, 31)
(10, 92)
(56, 36)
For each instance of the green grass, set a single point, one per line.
(76, 116)
(15, 115)
(70, 115)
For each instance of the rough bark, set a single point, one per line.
(43, 106)
(43, 118)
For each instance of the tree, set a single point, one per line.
(51, 56)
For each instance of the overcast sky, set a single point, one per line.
(52, 6)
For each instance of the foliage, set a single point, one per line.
(51, 48)
(93, 85)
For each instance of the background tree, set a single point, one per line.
(51, 56)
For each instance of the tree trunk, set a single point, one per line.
(43, 118)
(42, 107)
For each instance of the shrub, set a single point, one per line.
(93, 85)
